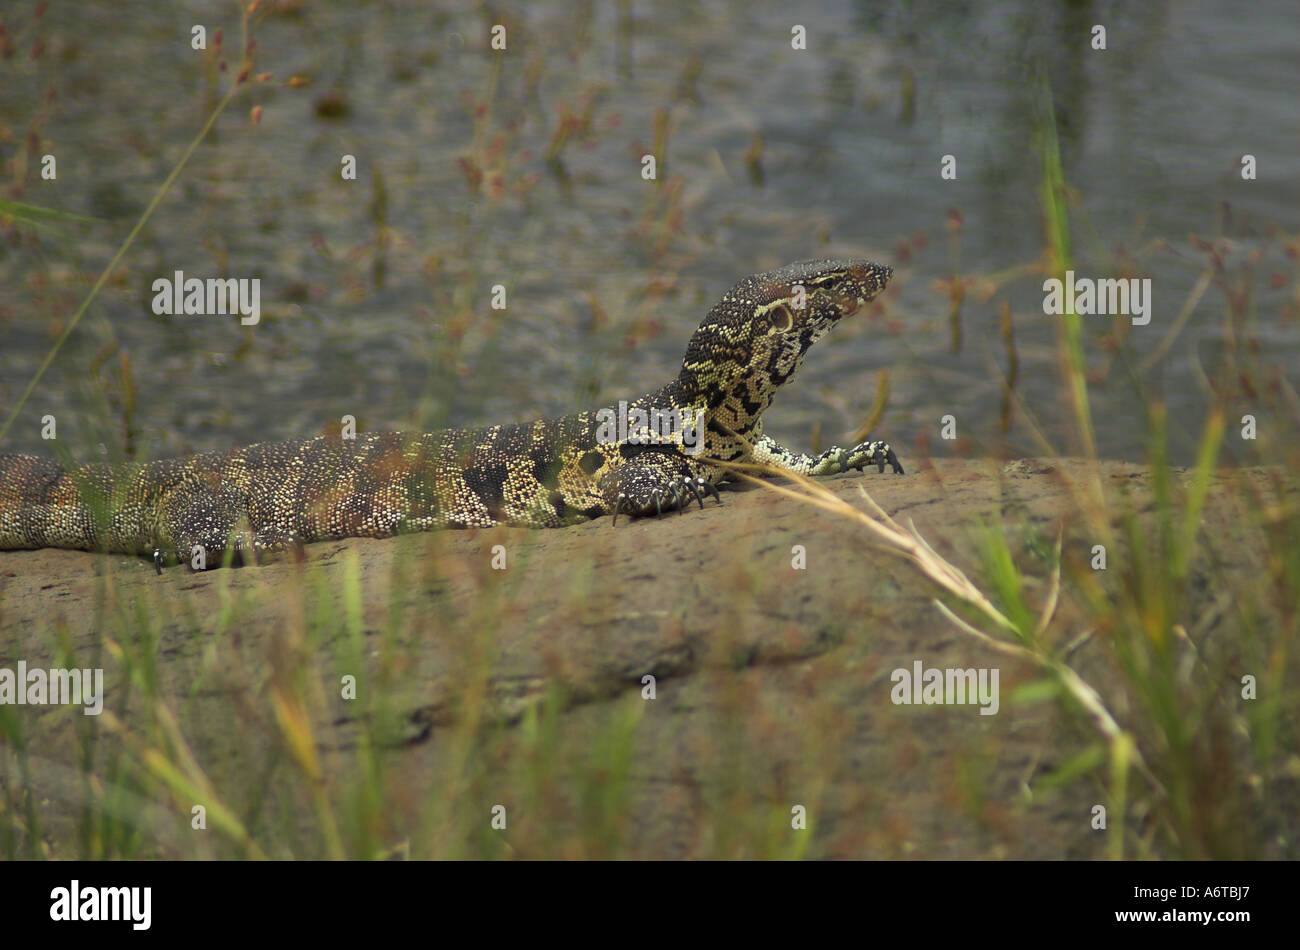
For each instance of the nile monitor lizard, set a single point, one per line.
(545, 473)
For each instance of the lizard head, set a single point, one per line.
(757, 335)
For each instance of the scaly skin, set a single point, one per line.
(546, 473)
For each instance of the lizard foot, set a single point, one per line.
(871, 452)
(651, 488)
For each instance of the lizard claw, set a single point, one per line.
(671, 492)
(879, 454)
(694, 491)
(643, 494)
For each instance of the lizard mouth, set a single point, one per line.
(848, 306)
(877, 276)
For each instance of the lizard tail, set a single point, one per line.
(42, 506)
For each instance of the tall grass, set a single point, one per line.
(1185, 629)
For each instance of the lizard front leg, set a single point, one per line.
(834, 460)
(203, 513)
(654, 482)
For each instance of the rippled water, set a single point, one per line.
(376, 292)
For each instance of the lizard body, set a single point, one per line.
(545, 473)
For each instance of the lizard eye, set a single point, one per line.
(782, 319)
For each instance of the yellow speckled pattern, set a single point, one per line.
(545, 473)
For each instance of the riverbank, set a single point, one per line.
(773, 632)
